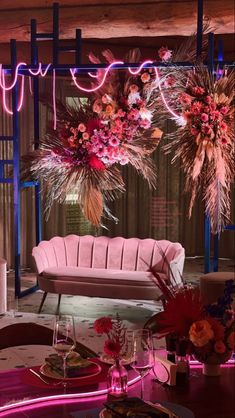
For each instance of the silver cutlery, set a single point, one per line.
(47, 382)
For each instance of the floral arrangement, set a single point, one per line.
(115, 331)
(115, 126)
(207, 330)
(203, 108)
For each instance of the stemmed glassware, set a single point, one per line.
(64, 340)
(142, 354)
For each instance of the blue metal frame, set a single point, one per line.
(63, 70)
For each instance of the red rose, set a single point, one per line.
(103, 325)
(94, 162)
(112, 348)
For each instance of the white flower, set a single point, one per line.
(133, 98)
(146, 114)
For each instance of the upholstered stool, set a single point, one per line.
(212, 285)
(3, 286)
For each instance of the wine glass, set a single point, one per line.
(64, 338)
(142, 354)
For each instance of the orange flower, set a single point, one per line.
(134, 88)
(109, 109)
(145, 77)
(200, 333)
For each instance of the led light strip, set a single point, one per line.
(27, 402)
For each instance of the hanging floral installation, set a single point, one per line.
(203, 141)
(115, 126)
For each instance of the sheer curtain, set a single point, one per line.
(143, 213)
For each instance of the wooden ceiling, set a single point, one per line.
(119, 23)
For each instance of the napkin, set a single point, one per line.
(76, 366)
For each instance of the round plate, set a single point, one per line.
(174, 411)
(47, 371)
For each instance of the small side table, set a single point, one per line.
(212, 285)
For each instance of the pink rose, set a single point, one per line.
(164, 53)
(194, 131)
(223, 140)
(112, 348)
(204, 117)
(103, 325)
(224, 126)
(224, 110)
(219, 347)
(81, 127)
(208, 99)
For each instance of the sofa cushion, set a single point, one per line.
(101, 276)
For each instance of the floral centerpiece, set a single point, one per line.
(115, 347)
(207, 330)
(116, 125)
(201, 102)
(115, 331)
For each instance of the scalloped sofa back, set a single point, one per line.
(106, 267)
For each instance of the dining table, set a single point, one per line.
(24, 395)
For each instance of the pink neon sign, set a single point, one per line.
(40, 72)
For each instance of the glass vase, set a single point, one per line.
(117, 380)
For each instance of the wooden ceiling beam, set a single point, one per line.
(122, 19)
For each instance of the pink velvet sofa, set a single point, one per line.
(105, 267)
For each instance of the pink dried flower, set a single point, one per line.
(224, 126)
(97, 106)
(204, 117)
(113, 141)
(224, 110)
(185, 99)
(194, 131)
(223, 140)
(145, 123)
(198, 91)
(81, 127)
(103, 325)
(134, 114)
(164, 53)
(170, 81)
(208, 99)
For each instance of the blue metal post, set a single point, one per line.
(34, 61)
(16, 170)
